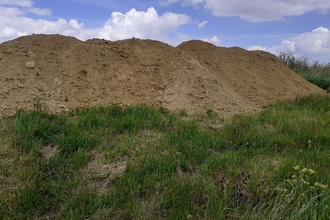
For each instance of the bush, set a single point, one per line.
(315, 72)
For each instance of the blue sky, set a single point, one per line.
(302, 26)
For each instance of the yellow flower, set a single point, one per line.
(321, 186)
(312, 187)
(292, 181)
(305, 182)
(304, 170)
(311, 171)
(294, 176)
(296, 168)
(281, 190)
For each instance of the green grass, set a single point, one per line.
(148, 163)
(315, 72)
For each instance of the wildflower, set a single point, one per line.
(312, 187)
(281, 190)
(321, 186)
(309, 143)
(296, 168)
(292, 181)
(304, 170)
(294, 176)
(304, 182)
(311, 171)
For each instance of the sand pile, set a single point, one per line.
(63, 73)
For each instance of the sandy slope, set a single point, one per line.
(65, 73)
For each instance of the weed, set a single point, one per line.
(300, 191)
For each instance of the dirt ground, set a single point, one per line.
(63, 73)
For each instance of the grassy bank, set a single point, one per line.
(315, 72)
(147, 163)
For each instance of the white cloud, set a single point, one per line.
(202, 24)
(21, 3)
(75, 25)
(183, 2)
(17, 26)
(39, 11)
(257, 10)
(192, 2)
(314, 44)
(184, 37)
(167, 2)
(214, 40)
(8, 32)
(326, 44)
(9, 12)
(10, 8)
(140, 24)
(180, 37)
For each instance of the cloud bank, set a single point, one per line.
(141, 24)
(256, 10)
(314, 44)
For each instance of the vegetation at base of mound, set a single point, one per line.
(149, 163)
(315, 72)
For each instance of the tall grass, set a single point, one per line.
(146, 163)
(315, 72)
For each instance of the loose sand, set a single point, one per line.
(63, 73)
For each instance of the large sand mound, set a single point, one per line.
(64, 73)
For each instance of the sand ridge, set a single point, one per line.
(64, 73)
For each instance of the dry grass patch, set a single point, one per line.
(99, 173)
(49, 151)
